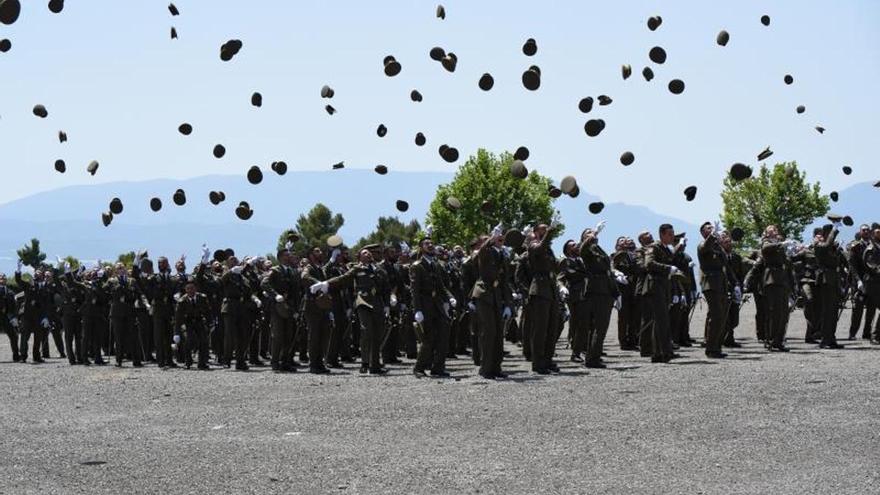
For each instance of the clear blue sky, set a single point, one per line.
(111, 77)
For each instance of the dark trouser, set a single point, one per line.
(872, 298)
(433, 336)
(73, 337)
(12, 333)
(731, 324)
(597, 316)
(372, 323)
(830, 295)
(282, 336)
(527, 332)
(145, 333)
(628, 321)
(197, 339)
(577, 326)
(55, 331)
(812, 311)
(237, 337)
(408, 331)
(761, 317)
(127, 343)
(490, 324)
(544, 316)
(319, 336)
(391, 341)
(661, 343)
(474, 327)
(337, 332)
(95, 335)
(161, 337)
(261, 339)
(217, 337)
(646, 324)
(776, 301)
(862, 305)
(716, 318)
(28, 327)
(678, 324)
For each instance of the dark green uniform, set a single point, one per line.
(123, 294)
(430, 297)
(543, 304)
(871, 257)
(628, 316)
(492, 296)
(317, 315)
(656, 289)
(8, 316)
(601, 291)
(828, 258)
(283, 281)
(573, 276)
(716, 289)
(191, 324)
(236, 295)
(776, 290)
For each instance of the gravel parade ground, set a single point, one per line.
(803, 422)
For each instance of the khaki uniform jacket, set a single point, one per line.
(429, 291)
(543, 265)
(491, 286)
(713, 266)
(658, 264)
(369, 285)
(573, 275)
(598, 264)
(286, 282)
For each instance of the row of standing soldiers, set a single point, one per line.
(435, 304)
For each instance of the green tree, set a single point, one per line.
(781, 196)
(126, 259)
(390, 230)
(30, 255)
(313, 228)
(486, 177)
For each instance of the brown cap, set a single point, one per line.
(185, 129)
(437, 53)
(648, 74)
(453, 203)
(244, 212)
(40, 111)
(116, 206)
(513, 238)
(106, 218)
(279, 168)
(596, 207)
(723, 38)
(56, 6)
(420, 139)
(847, 170)
(848, 221)
(5, 45)
(415, 96)
(627, 158)
(521, 153)
(740, 171)
(402, 205)
(518, 169)
(690, 193)
(676, 86)
(568, 184)
(334, 241)
(60, 166)
(604, 100)
(449, 62)
(834, 196)
(530, 47)
(531, 79)
(9, 10)
(179, 197)
(381, 169)
(553, 191)
(626, 70)
(594, 126)
(800, 109)
(449, 153)
(219, 151)
(486, 82)
(155, 204)
(654, 22)
(788, 79)
(586, 104)
(230, 49)
(327, 92)
(92, 168)
(441, 12)
(215, 198)
(392, 66)
(257, 99)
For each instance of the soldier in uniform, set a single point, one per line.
(8, 316)
(682, 284)
(807, 268)
(736, 273)
(317, 311)
(404, 303)
(73, 297)
(871, 258)
(492, 297)
(370, 303)
(656, 288)
(32, 318)
(469, 276)
(623, 261)
(432, 305)
(601, 294)
(861, 306)
(123, 295)
(93, 317)
(715, 285)
(191, 324)
(573, 281)
(283, 287)
(543, 301)
(776, 288)
(236, 294)
(646, 312)
(753, 283)
(522, 281)
(159, 289)
(828, 258)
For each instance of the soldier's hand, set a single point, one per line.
(387, 311)
(472, 307)
(176, 338)
(453, 302)
(674, 270)
(14, 322)
(563, 290)
(419, 317)
(600, 227)
(516, 296)
(44, 323)
(279, 298)
(320, 286)
(506, 313)
(393, 301)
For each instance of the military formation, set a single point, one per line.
(326, 306)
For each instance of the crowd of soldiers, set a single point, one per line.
(432, 303)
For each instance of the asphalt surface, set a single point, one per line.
(803, 422)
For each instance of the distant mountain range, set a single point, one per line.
(67, 220)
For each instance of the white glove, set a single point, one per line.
(331, 316)
(717, 227)
(453, 302)
(236, 269)
(600, 227)
(553, 224)
(14, 322)
(563, 291)
(419, 317)
(836, 224)
(257, 301)
(673, 270)
(335, 254)
(860, 286)
(675, 299)
(279, 298)
(516, 296)
(429, 230)
(497, 231)
(288, 245)
(176, 339)
(393, 301)
(147, 306)
(44, 322)
(320, 286)
(253, 261)
(737, 294)
(386, 311)
(691, 264)
(66, 266)
(183, 327)
(506, 313)
(206, 254)
(182, 257)
(618, 302)
(100, 274)
(621, 279)
(174, 347)
(472, 307)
